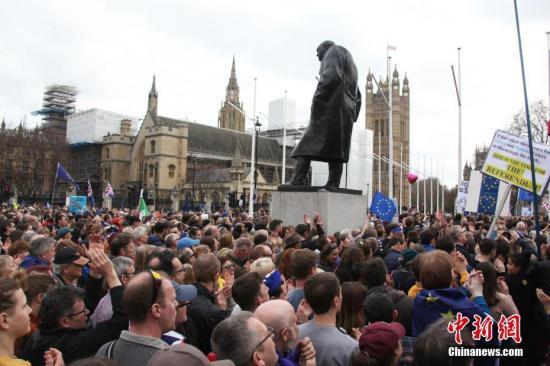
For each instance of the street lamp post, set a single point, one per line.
(257, 128)
(193, 161)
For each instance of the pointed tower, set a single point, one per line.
(377, 120)
(3, 128)
(395, 83)
(229, 117)
(153, 99)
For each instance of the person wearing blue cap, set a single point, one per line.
(187, 242)
(184, 295)
(63, 233)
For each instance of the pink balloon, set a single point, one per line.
(411, 177)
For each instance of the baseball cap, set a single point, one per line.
(62, 232)
(69, 255)
(379, 340)
(184, 354)
(187, 242)
(184, 292)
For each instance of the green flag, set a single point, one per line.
(143, 210)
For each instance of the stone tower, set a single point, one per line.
(229, 117)
(376, 119)
(153, 99)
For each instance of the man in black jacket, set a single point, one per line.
(63, 318)
(208, 308)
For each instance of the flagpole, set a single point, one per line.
(443, 190)
(379, 159)
(425, 200)
(410, 187)
(55, 181)
(431, 188)
(437, 187)
(459, 118)
(400, 178)
(492, 233)
(252, 159)
(529, 136)
(390, 129)
(284, 141)
(417, 186)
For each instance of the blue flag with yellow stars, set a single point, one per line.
(488, 195)
(525, 195)
(383, 207)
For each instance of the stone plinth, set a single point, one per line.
(338, 210)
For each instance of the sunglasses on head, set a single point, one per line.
(157, 282)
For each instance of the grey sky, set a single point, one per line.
(111, 49)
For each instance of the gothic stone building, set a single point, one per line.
(377, 120)
(173, 159)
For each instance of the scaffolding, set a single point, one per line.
(58, 103)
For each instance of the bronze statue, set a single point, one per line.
(334, 109)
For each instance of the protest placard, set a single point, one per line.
(508, 160)
(77, 204)
(461, 196)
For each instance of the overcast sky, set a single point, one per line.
(110, 50)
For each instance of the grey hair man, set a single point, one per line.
(41, 253)
(125, 270)
(459, 239)
(171, 242)
(244, 340)
(280, 315)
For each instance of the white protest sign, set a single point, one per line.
(461, 196)
(508, 160)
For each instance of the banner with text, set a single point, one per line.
(508, 160)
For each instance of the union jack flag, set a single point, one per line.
(90, 193)
(109, 191)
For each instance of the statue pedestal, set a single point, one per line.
(339, 208)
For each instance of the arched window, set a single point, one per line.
(171, 171)
(107, 153)
(153, 146)
(151, 171)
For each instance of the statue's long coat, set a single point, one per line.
(335, 107)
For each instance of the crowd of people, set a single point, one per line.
(107, 287)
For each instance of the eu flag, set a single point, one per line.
(525, 195)
(62, 175)
(383, 207)
(488, 195)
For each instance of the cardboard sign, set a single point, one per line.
(461, 196)
(508, 160)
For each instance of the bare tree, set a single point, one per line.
(29, 159)
(538, 112)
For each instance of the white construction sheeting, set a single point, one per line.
(91, 125)
(359, 165)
